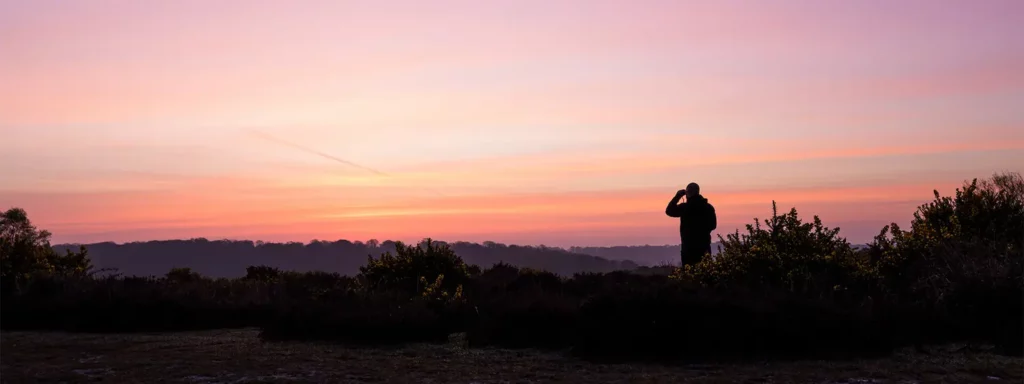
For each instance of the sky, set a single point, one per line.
(530, 122)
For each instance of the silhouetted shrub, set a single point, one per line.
(25, 252)
(262, 273)
(806, 259)
(411, 266)
(521, 308)
(589, 284)
(302, 285)
(497, 276)
(397, 304)
(963, 258)
(183, 275)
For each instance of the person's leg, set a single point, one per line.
(690, 255)
(695, 253)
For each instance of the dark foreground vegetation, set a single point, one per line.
(784, 289)
(238, 356)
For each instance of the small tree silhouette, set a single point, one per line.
(25, 251)
(262, 273)
(407, 270)
(183, 275)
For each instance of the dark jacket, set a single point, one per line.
(696, 220)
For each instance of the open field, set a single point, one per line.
(238, 356)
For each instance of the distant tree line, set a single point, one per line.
(228, 258)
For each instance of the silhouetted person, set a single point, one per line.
(696, 221)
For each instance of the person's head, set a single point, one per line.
(692, 190)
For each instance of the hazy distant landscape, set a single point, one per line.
(227, 258)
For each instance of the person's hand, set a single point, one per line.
(681, 193)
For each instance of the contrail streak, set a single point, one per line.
(324, 155)
(315, 152)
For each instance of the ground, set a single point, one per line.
(238, 356)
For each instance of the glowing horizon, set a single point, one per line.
(568, 123)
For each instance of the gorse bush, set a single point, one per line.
(784, 288)
(412, 269)
(977, 234)
(963, 256)
(435, 291)
(786, 254)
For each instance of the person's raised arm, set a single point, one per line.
(674, 209)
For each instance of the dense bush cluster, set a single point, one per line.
(784, 289)
(805, 259)
(25, 253)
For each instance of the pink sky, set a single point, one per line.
(562, 123)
